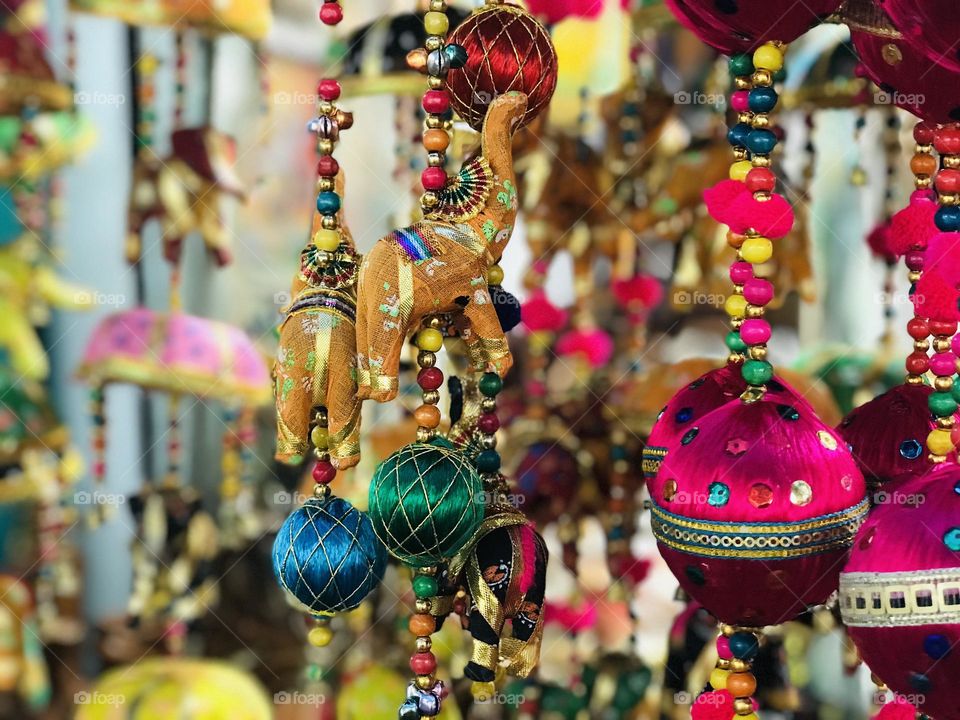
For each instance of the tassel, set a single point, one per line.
(541, 315)
(912, 227)
(879, 242)
(594, 345)
(936, 299)
(773, 218)
(721, 196)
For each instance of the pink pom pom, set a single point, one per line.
(594, 345)
(935, 298)
(912, 227)
(943, 257)
(879, 242)
(574, 619)
(899, 709)
(714, 705)
(771, 218)
(639, 293)
(541, 315)
(721, 196)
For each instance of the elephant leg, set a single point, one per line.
(486, 343)
(291, 393)
(343, 406)
(213, 229)
(486, 649)
(385, 300)
(362, 344)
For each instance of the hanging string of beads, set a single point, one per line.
(146, 70)
(327, 125)
(891, 153)
(181, 81)
(943, 362)
(98, 441)
(174, 447)
(757, 249)
(737, 648)
(923, 165)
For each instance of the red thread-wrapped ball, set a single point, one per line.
(900, 591)
(755, 508)
(508, 50)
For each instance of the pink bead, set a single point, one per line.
(755, 331)
(488, 423)
(740, 101)
(423, 663)
(324, 473)
(758, 291)
(955, 344)
(436, 102)
(943, 364)
(434, 178)
(740, 272)
(723, 648)
(329, 89)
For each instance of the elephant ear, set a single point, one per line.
(466, 194)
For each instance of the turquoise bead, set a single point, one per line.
(328, 203)
(741, 65)
(757, 372)
(762, 99)
(735, 342)
(488, 462)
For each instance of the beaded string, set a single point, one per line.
(98, 438)
(923, 164)
(892, 149)
(757, 250)
(737, 648)
(327, 125)
(741, 68)
(943, 362)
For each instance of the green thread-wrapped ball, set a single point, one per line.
(426, 502)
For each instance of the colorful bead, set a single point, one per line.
(320, 636)
(735, 306)
(735, 342)
(757, 372)
(947, 141)
(421, 625)
(436, 140)
(741, 272)
(424, 663)
(436, 23)
(739, 170)
(763, 99)
(490, 385)
(757, 250)
(718, 679)
(320, 437)
(948, 182)
(456, 54)
(430, 378)
(436, 102)
(948, 218)
(430, 339)
(427, 416)
(768, 57)
(755, 331)
(495, 275)
(740, 101)
(327, 240)
(329, 89)
(328, 203)
(744, 645)
(434, 178)
(488, 462)
(425, 586)
(483, 691)
(917, 363)
(761, 179)
(324, 473)
(943, 364)
(741, 65)
(737, 135)
(939, 442)
(327, 166)
(331, 13)
(758, 291)
(918, 329)
(761, 142)
(723, 648)
(488, 423)
(741, 684)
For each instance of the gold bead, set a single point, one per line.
(434, 122)
(426, 359)
(736, 323)
(762, 161)
(434, 43)
(325, 146)
(435, 83)
(946, 423)
(742, 706)
(734, 358)
(723, 663)
(742, 83)
(762, 77)
(951, 162)
(952, 199)
(424, 644)
(758, 352)
(425, 682)
(740, 154)
(425, 435)
(923, 183)
(941, 344)
(914, 380)
(483, 691)
(754, 311)
(330, 222)
(745, 117)
(739, 666)
(488, 405)
(325, 107)
(923, 149)
(436, 159)
(438, 5)
(914, 276)
(321, 491)
(422, 606)
(431, 397)
(761, 120)
(320, 437)
(943, 384)
(321, 418)
(495, 275)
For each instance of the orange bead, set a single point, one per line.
(923, 164)
(741, 685)
(436, 140)
(422, 625)
(427, 416)
(735, 240)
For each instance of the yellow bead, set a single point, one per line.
(320, 437)
(939, 442)
(756, 250)
(327, 240)
(436, 23)
(768, 57)
(736, 306)
(320, 636)
(430, 340)
(483, 691)
(495, 275)
(739, 170)
(751, 716)
(718, 679)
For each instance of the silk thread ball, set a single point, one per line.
(327, 557)
(508, 50)
(755, 509)
(426, 502)
(899, 594)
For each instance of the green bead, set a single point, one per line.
(425, 586)
(956, 391)
(942, 404)
(741, 65)
(488, 462)
(735, 342)
(490, 384)
(757, 372)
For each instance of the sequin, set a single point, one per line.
(697, 383)
(689, 436)
(956, 488)
(669, 490)
(952, 539)
(827, 440)
(867, 540)
(761, 496)
(911, 449)
(736, 447)
(719, 494)
(788, 412)
(936, 647)
(801, 493)
(695, 574)
(920, 682)
(846, 482)
(684, 415)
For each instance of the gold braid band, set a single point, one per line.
(900, 599)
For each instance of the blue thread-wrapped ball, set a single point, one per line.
(327, 556)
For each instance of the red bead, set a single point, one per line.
(914, 260)
(947, 141)
(924, 133)
(423, 663)
(327, 166)
(917, 363)
(948, 181)
(434, 178)
(488, 423)
(331, 13)
(761, 180)
(430, 378)
(329, 89)
(436, 102)
(918, 329)
(943, 327)
(324, 473)
(99, 469)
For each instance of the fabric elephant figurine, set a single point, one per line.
(440, 265)
(505, 574)
(317, 357)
